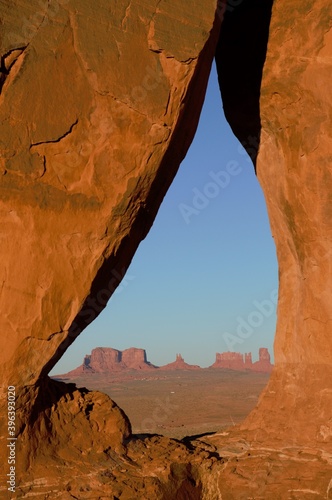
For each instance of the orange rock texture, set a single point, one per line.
(294, 168)
(288, 123)
(99, 103)
(80, 186)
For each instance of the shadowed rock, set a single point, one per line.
(99, 104)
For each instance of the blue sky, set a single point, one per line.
(205, 278)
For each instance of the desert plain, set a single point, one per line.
(180, 403)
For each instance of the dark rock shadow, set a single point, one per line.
(240, 58)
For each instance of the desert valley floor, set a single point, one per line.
(180, 403)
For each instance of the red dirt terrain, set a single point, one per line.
(177, 402)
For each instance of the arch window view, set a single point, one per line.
(174, 394)
(204, 284)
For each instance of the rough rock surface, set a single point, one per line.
(294, 169)
(80, 188)
(294, 146)
(56, 184)
(179, 364)
(99, 103)
(238, 361)
(107, 360)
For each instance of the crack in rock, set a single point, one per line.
(7, 61)
(69, 131)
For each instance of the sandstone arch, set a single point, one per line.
(68, 232)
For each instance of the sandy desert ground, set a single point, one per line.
(180, 403)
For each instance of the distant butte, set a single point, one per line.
(109, 360)
(180, 364)
(240, 362)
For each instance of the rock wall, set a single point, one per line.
(135, 358)
(231, 360)
(98, 106)
(80, 189)
(264, 362)
(99, 103)
(295, 172)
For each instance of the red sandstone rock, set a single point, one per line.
(231, 360)
(135, 359)
(295, 170)
(98, 105)
(240, 362)
(179, 364)
(248, 360)
(264, 363)
(87, 159)
(108, 360)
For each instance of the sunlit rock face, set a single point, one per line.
(99, 103)
(88, 150)
(294, 168)
(288, 122)
(293, 113)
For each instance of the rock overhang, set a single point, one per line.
(61, 213)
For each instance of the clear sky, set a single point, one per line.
(205, 278)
